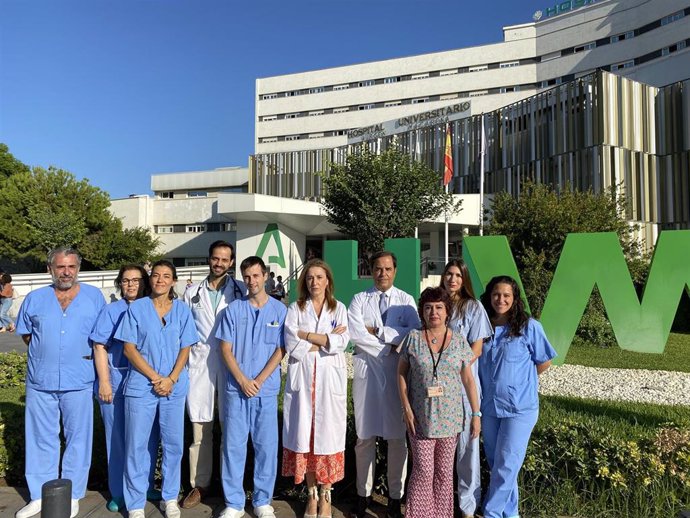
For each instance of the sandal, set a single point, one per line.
(326, 494)
(312, 492)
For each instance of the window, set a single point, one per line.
(586, 46)
(291, 115)
(195, 261)
(164, 229)
(368, 82)
(315, 135)
(365, 107)
(339, 132)
(199, 227)
(450, 72)
(166, 195)
(550, 56)
(478, 68)
(478, 93)
(672, 17)
(293, 93)
(507, 89)
(448, 97)
(341, 87)
(419, 76)
(316, 90)
(197, 194)
(624, 36)
(392, 103)
(269, 118)
(341, 110)
(215, 227)
(269, 139)
(313, 114)
(389, 80)
(620, 66)
(509, 64)
(269, 96)
(292, 137)
(420, 100)
(673, 48)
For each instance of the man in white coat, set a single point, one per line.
(207, 372)
(379, 319)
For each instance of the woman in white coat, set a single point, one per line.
(315, 398)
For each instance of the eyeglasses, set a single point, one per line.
(131, 282)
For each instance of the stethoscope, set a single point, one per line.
(237, 292)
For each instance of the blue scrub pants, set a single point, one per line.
(44, 410)
(467, 459)
(113, 415)
(258, 417)
(141, 414)
(505, 445)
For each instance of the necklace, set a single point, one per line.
(434, 339)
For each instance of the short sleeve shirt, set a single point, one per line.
(59, 352)
(474, 324)
(157, 343)
(508, 372)
(255, 334)
(103, 333)
(441, 416)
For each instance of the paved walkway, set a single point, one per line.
(11, 342)
(93, 506)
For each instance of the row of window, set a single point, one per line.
(194, 228)
(169, 195)
(507, 64)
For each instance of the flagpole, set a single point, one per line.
(447, 177)
(482, 165)
(446, 231)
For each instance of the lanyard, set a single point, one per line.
(440, 353)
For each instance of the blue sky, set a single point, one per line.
(117, 90)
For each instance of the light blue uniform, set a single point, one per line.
(474, 325)
(59, 382)
(159, 345)
(113, 414)
(255, 334)
(510, 409)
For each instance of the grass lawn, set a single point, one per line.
(676, 356)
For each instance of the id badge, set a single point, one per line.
(435, 391)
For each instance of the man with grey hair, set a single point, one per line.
(55, 322)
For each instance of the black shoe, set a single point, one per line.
(362, 505)
(393, 509)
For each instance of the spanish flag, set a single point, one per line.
(448, 169)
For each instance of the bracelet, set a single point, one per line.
(476, 414)
(308, 336)
(173, 380)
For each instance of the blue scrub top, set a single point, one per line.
(255, 334)
(103, 333)
(474, 324)
(158, 344)
(59, 352)
(508, 370)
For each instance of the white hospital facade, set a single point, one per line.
(594, 93)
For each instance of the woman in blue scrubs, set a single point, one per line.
(157, 332)
(132, 281)
(509, 369)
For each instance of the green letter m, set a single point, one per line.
(597, 259)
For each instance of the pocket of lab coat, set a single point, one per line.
(294, 376)
(360, 367)
(198, 356)
(337, 377)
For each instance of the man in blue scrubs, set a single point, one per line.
(251, 335)
(55, 322)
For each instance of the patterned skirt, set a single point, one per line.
(329, 469)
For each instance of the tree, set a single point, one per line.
(374, 197)
(9, 165)
(536, 225)
(44, 208)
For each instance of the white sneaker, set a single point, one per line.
(137, 513)
(75, 508)
(30, 509)
(264, 511)
(170, 508)
(231, 512)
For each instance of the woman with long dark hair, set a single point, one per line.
(157, 332)
(509, 369)
(469, 319)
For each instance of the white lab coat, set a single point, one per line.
(374, 387)
(207, 372)
(330, 404)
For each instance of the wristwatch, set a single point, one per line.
(476, 414)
